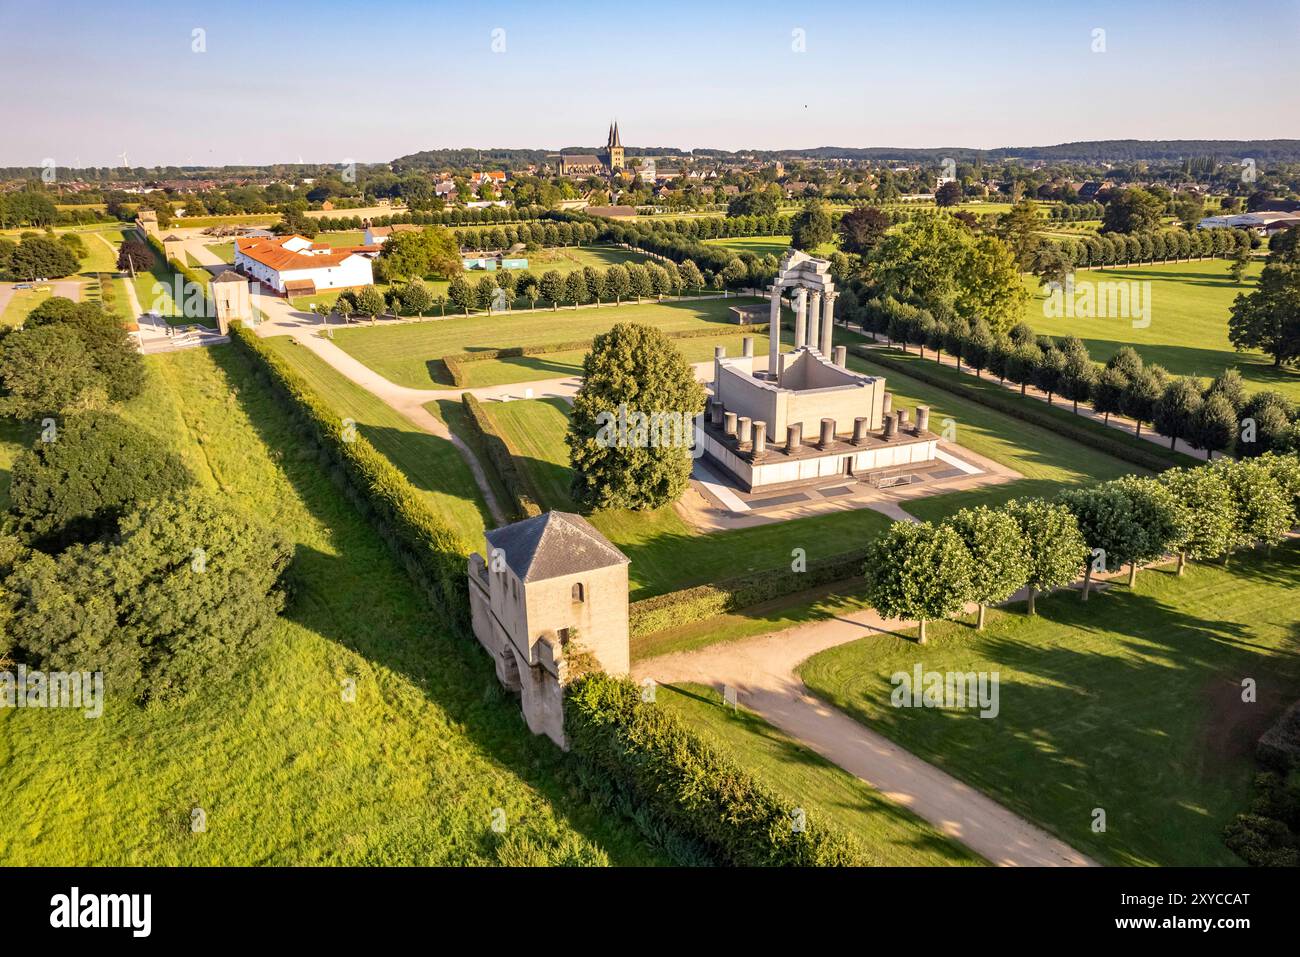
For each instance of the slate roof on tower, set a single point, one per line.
(553, 545)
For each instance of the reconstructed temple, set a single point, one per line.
(805, 416)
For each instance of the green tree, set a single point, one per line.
(110, 346)
(41, 258)
(918, 570)
(187, 593)
(1262, 514)
(1208, 529)
(691, 274)
(1078, 378)
(1057, 549)
(460, 293)
(1238, 262)
(416, 297)
(1000, 557)
(44, 371)
(575, 288)
(811, 227)
(632, 374)
(1214, 425)
(1108, 393)
(1268, 318)
(76, 483)
(1174, 413)
(1143, 392)
(485, 291)
(1132, 211)
(861, 228)
(552, 287)
(949, 194)
(370, 301)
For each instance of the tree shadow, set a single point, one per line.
(450, 668)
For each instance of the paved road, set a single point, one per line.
(762, 670)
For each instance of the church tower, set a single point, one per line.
(614, 149)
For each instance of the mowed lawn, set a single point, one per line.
(434, 466)
(411, 354)
(1131, 703)
(286, 771)
(665, 551)
(1188, 330)
(892, 835)
(765, 245)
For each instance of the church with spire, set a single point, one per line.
(613, 157)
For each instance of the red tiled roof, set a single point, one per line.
(271, 252)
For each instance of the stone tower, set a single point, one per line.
(614, 148)
(230, 296)
(550, 596)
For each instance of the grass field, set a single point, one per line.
(563, 260)
(1188, 331)
(22, 302)
(434, 466)
(764, 245)
(892, 835)
(1131, 703)
(667, 553)
(410, 354)
(286, 771)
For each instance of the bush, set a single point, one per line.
(185, 593)
(432, 552)
(639, 754)
(76, 487)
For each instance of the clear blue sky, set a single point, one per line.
(327, 81)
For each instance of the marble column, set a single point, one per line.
(774, 335)
(828, 321)
(800, 318)
(814, 320)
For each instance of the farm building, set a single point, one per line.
(295, 266)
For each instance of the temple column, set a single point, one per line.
(774, 335)
(800, 318)
(814, 320)
(828, 321)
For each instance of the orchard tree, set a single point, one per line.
(415, 297)
(1057, 549)
(1143, 392)
(1078, 378)
(1268, 424)
(1262, 513)
(460, 293)
(552, 287)
(1174, 413)
(1207, 510)
(1000, 557)
(370, 302)
(632, 374)
(917, 570)
(1156, 512)
(1214, 425)
(1108, 393)
(575, 288)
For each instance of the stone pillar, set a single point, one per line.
(719, 352)
(744, 430)
(860, 426)
(922, 418)
(891, 425)
(729, 423)
(827, 437)
(747, 347)
(828, 322)
(800, 318)
(793, 437)
(889, 404)
(814, 321)
(760, 438)
(841, 356)
(715, 411)
(774, 334)
(901, 416)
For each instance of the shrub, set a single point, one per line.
(503, 459)
(76, 487)
(641, 755)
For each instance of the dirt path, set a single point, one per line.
(762, 670)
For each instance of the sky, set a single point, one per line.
(330, 82)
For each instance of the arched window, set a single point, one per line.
(577, 592)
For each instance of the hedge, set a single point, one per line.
(433, 553)
(517, 484)
(642, 755)
(1009, 403)
(688, 605)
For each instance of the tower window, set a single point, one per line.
(578, 594)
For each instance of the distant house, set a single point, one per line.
(295, 266)
(378, 235)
